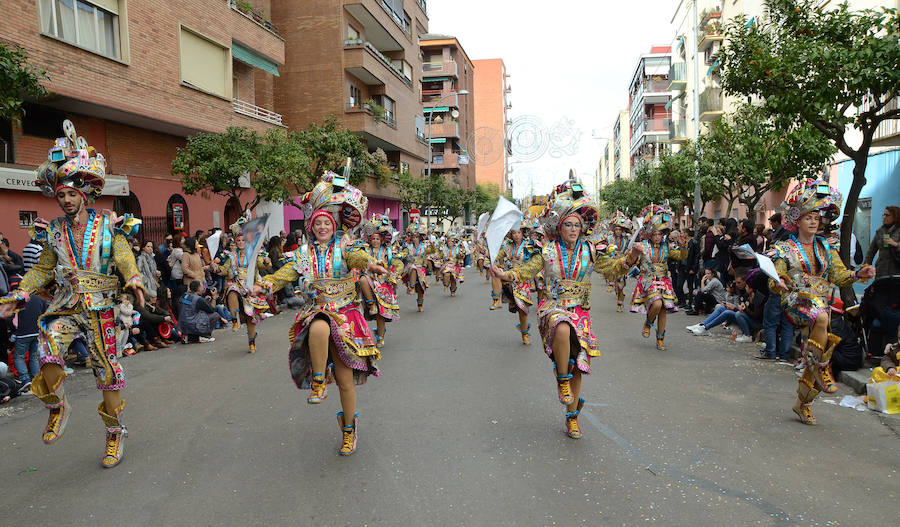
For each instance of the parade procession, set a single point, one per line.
(579, 264)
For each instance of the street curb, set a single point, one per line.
(856, 380)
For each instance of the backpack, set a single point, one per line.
(848, 354)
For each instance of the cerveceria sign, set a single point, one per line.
(22, 179)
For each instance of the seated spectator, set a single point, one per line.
(12, 262)
(212, 296)
(742, 306)
(27, 340)
(724, 312)
(196, 317)
(710, 293)
(151, 318)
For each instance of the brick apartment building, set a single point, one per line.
(491, 146)
(650, 106)
(449, 114)
(136, 78)
(357, 60)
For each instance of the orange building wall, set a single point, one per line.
(490, 117)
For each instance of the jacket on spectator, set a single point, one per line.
(888, 262)
(15, 266)
(194, 315)
(175, 263)
(165, 272)
(715, 288)
(192, 267)
(146, 264)
(709, 242)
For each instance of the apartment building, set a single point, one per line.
(491, 144)
(136, 79)
(447, 104)
(649, 101)
(357, 60)
(619, 155)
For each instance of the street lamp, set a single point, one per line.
(428, 139)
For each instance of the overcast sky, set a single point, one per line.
(567, 59)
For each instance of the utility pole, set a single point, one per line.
(698, 200)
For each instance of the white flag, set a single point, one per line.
(506, 217)
(767, 266)
(254, 235)
(482, 223)
(212, 243)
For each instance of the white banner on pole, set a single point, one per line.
(506, 217)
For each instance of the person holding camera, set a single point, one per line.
(886, 244)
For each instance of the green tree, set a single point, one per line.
(626, 195)
(674, 174)
(485, 198)
(825, 65)
(18, 81)
(328, 145)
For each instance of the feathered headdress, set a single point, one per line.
(567, 199)
(811, 195)
(345, 203)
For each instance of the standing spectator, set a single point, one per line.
(746, 234)
(162, 265)
(27, 339)
(151, 318)
(191, 263)
(727, 236)
(174, 259)
(885, 244)
(31, 254)
(707, 239)
(687, 273)
(12, 262)
(779, 233)
(762, 244)
(196, 317)
(146, 264)
(290, 243)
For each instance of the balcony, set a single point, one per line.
(255, 15)
(363, 60)
(439, 69)
(649, 131)
(678, 76)
(445, 129)
(651, 92)
(711, 104)
(711, 30)
(888, 132)
(444, 161)
(431, 98)
(401, 19)
(379, 27)
(678, 131)
(257, 112)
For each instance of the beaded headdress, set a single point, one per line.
(808, 196)
(620, 220)
(345, 203)
(567, 199)
(657, 218)
(72, 163)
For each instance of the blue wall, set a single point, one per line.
(882, 184)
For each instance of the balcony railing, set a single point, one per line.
(434, 69)
(430, 97)
(357, 43)
(889, 128)
(258, 112)
(399, 18)
(423, 5)
(354, 107)
(255, 16)
(677, 76)
(648, 87)
(710, 104)
(656, 125)
(678, 130)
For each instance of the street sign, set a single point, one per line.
(463, 160)
(414, 214)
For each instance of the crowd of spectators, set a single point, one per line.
(719, 282)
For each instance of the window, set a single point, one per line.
(42, 121)
(26, 218)
(205, 64)
(355, 96)
(352, 33)
(93, 26)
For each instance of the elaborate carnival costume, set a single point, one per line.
(331, 328)
(482, 260)
(418, 250)
(243, 305)
(653, 294)
(82, 259)
(517, 295)
(618, 237)
(809, 272)
(380, 292)
(565, 321)
(454, 256)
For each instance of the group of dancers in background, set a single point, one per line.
(349, 271)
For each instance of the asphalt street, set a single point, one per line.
(463, 428)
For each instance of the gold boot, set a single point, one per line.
(115, 435)
(54, 400)
(572, 428)
(526, 338)
(828, 383)
(806, 394)
(814, 355)
(319, 389)
(251, 345)
(350, 434)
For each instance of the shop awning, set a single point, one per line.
(439, 140)
(19, 179)
(438, 109)
(435, 79)
(713, 68)
(249, 57)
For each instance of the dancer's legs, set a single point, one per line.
(343, 375)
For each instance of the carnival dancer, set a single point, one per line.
(435, 259)
(380, 292)
(454, 257)
(653, 294)
(242, 303)
(330, 339)
(419, 249)
(809, 267)
(618, 238)
(83, 252)
(515, 251)
(565, 322)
